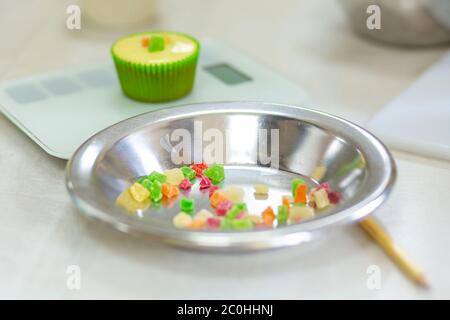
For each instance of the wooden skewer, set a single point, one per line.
(376, 231)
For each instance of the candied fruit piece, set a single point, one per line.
(300, 213)
(156, 43)
(334, 197)
(155, 191)
(282, 215)
(286, 201)
(236, 210)
(197, 224)
(205, 183)
(213, 223)
(139, 192)
(261, 188)
(199, 168)
(145, 182)
(185, 184)
(215, 173)
(174, 176)
(169, 190)
(295, 184)
(188, 173)
(187, 205)
(216, 198)
(319, 172)
(126, 201)
(203, 215)
(145, 41)
(268, 216)
(182, 220)
(321, 198)
(241, 215)
(234, 194)
(155, 175)
(223, 207)
(242, 224)
(300, 193)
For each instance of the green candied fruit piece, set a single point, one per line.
(187, 205)
(156, 43)
(235, 210)
(215, 173)
(155, 175)
(282, 214)
(156, 191)
(226, 224)
(146, 183)
(188, 173)
(295, 184)
(242, 224)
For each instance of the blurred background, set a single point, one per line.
(321, 45)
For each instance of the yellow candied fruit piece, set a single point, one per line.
(321, 198)
(203, 215)
(126, 201)
(234, 194)
(297, 213)
(261, 188)
(174, 176)
(139, 192)
(319, 172)
(182, 220)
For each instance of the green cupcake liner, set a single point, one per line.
(160, 81)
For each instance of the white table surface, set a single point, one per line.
(41, 233)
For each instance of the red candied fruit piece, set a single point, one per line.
(223, 207)
(205, 183)
(199, 167)
(185, 184)
(334, 197)
(213, 223)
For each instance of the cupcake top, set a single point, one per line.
(155, 47)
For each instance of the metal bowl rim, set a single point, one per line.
(278, 237)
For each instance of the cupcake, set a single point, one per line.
(156, 66)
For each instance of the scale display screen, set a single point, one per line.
(227, 73)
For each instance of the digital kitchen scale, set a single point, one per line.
(60, 110)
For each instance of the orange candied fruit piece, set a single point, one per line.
(169, 190)
(216, 198)
(268, 216)
(286, 200)
(145, 41)
(197, 224)
(300, 193)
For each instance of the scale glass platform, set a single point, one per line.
(60, 110)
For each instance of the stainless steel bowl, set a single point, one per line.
(357, 165)
(404, 22)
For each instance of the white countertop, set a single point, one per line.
(41, 233)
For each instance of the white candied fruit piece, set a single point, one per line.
(174, 176)
(234, 194)
(297, 213)
(321, 198)
(182, 220)
(139, 192)
(203, 215)
(261, 188)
